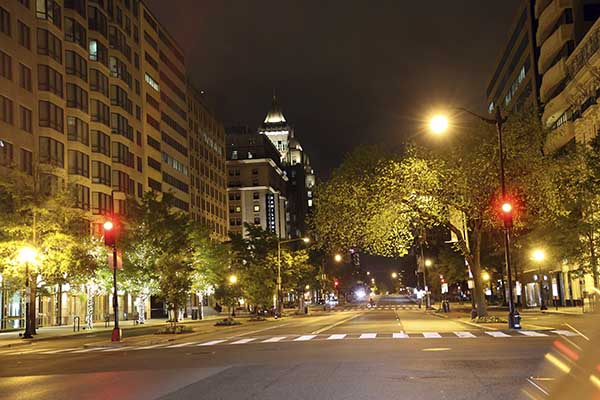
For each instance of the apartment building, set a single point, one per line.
(94, 95)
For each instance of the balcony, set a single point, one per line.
(551, 79)
(553, 45)
(549, 16)
(540, 6)
(586, 53)
(555, 108)
(559, 137)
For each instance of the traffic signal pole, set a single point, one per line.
(116, 333)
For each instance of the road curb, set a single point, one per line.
(8, 345)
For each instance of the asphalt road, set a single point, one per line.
(391, 352)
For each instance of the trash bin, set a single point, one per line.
(305, 309)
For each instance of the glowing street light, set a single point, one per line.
(394, 275)
(27, 255)
(306, 240)
(338, 258)
(428, 263)
(368, 273)
(485, 276)
(438, 124)
(538, 255)
(233, 279)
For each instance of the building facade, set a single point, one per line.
(296, 165)
(94, 96)
(515, 82)
(256, 185)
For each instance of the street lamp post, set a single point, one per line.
(539, 256)
(438, 125)
(26, 256)
(279, 294)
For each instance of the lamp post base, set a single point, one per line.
(514, 320)
(116, 335)
(27, 335)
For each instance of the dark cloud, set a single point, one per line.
(346, 71)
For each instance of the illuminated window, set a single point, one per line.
(152, 82)
(256, 208)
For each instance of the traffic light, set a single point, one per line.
(109, 233)
(336, 283)
(507, 214)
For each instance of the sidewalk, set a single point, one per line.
(12, 338)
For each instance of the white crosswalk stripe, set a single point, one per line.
(497, 334)
(305, 338)
(88, 350)
(174, 346)
(368, 336)
(532, 333)
(565, 333)
(431, 335)
(399, 335)
(59, 350)
(337, 336)
(243, 341)
(153, 346)
(274, 339)
(212, 342)
(114, 349)
(464, 335)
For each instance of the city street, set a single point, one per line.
(394, 350)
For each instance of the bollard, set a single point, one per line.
(76, 320)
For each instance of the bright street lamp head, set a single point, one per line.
(428, 263)
(337, 258)
(394, 275)
(233, 279)
(538, 255)
(306, 240)
(438, 124)
(27, 254)
(485, 276)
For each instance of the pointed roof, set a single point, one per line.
(275, 115)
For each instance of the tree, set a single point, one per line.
(379, 202)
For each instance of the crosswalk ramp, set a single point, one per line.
(266, 340)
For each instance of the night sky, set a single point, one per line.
(346, 71)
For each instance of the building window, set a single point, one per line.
(6, 110)
(49, 45)
(51, 116)
(77, 5)
(26, 162)
(75, 32)
(5, 22)
(152, 122)
(98, 52)
(77, 130)
(256, 220)
(175, 164)
(25, 119)
(5, 65)
(24, 3)
(256, 208)
(50, 80)
(100, 143)
(254, 171)
(101, 203)
(79, 163)
(48, 10)
(154, 185)
(6, 154)
(256, 196)
(76, 65)
(100, 112)
(52, 152)
(101, 173)
(121, 154)
(25, 77)
(120, 125)
(150, 81)
(77, 97)
(97, 21)
(238, 209)
(24, 35)
(99, 82)
(118, 97)
(82, 196)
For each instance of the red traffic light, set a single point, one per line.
(506, 207)
(507, 213)
(109, 233)
(336, 283)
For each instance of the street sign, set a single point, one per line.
(471, 283)
(444, 288)
(119, 260)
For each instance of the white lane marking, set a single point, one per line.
(326, 328)
(59, 350)
(28, 351)
(337, 336)
(212, 342)
(88, 350)
(260, 330)
(115, 349)
(274, 339)
(399, 335)
(565, 333)
(304, 338)
(532, 333)
(153, 346)
(497, 334)
(174, 346)
(463, 335)
(242, 341)
(368, 336)
(575, 330)
(432, 335)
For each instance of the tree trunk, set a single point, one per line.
(89, 316)
(593, 260)
(141, 308)
(32, 304)
(477, 279)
